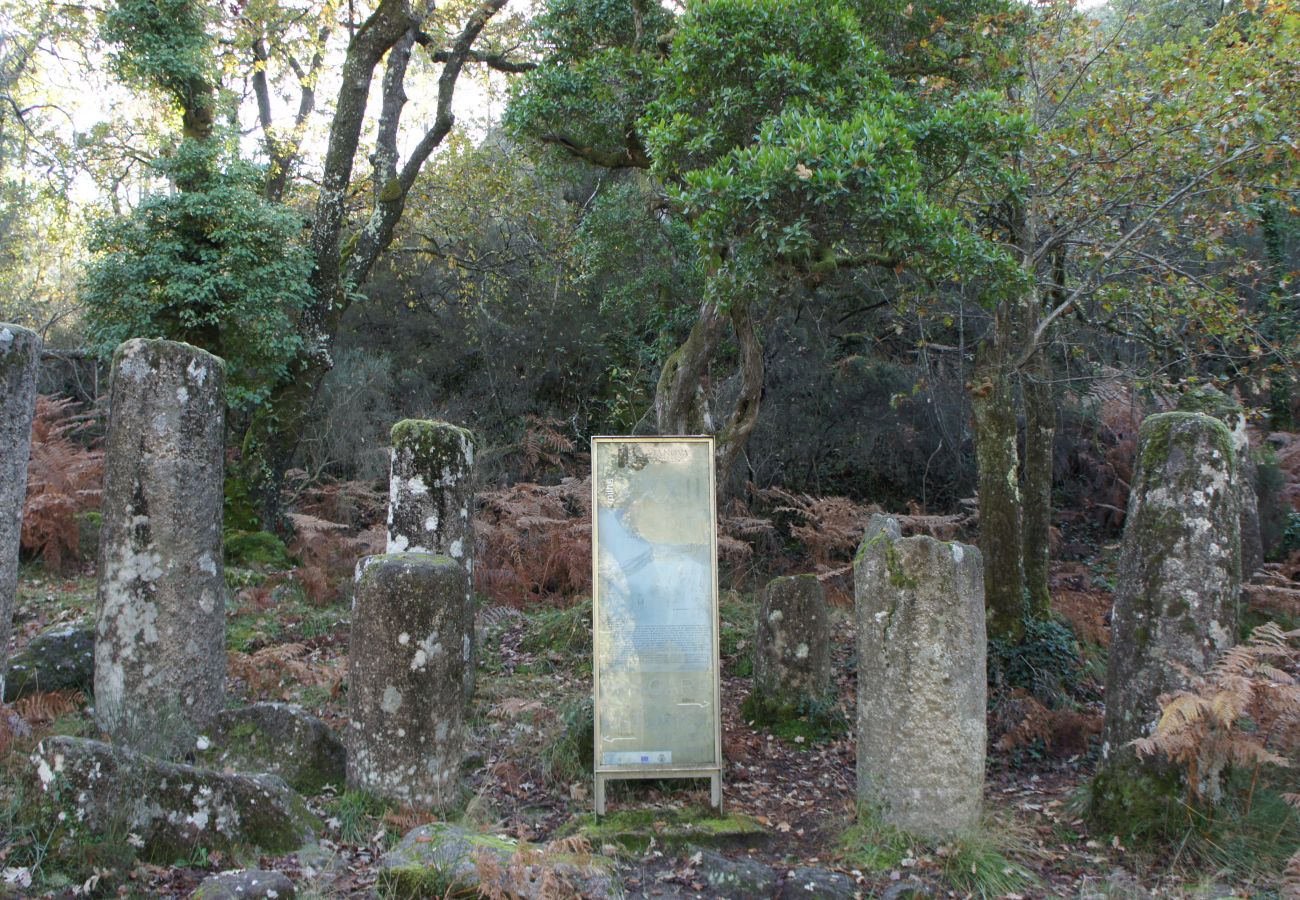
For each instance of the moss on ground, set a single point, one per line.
(256, 550)
(807, 721)
(633, 829)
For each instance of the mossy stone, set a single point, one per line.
(634, 829)
(439, 860)
(278, 738)
(1178, 582)
(61, 658)
(82, 788)
(1138, 801)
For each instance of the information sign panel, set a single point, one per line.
(655, 610)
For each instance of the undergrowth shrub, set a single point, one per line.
(65, 478)
(328, 553)
(1036, 687)
(570, 756)
(534, 543)
(1024, 724)
(1045, 662)
(1244, 712)
(1227, 734)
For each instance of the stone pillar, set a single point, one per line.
(1176, 594)
(20, 357)
(160, 630)
(921, 680)
(406, 671)
(792, 648)
(431, 503)
(1213, 402)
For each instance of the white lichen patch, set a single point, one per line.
(198, 373)
(391, 702)
(431, 523)
(403, 639)
(457, 549)
(131, 366)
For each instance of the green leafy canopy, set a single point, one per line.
(215, 265)
(783, 136)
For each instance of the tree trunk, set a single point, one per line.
(681, 399)
(998, 463)
(342, 265)
(681, 406)
(1040, 430)
(734, 435)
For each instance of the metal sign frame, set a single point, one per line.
(604, 773)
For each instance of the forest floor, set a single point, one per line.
(527, 777)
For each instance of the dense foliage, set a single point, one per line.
(214, 265)
(205, 259)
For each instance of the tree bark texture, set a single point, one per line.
(998, 464)
(1036, 516)
(682, 401)
(342, 265)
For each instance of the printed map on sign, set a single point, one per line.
(655, 624)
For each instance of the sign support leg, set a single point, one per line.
(715, 790)
(600, 795)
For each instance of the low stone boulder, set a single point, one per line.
(822, 884)
(60, 658)
(84, 788)
(246, 884)
(278, 738)
(733, 879)
(433, 860)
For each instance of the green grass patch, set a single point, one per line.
(357, 815)
(560, 636)
(977, 863)
(739, 617)
(570, 756)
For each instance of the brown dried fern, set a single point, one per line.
(1244, 712)
(276, 669)
(534, 543)
(64, 478)
(43, 708)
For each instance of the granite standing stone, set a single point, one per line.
(1213, 402)
(921, 680)
(160, 630)
(792, 645)
(1176, 594)
(20, 357)
(431, 503)
(406, 675)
